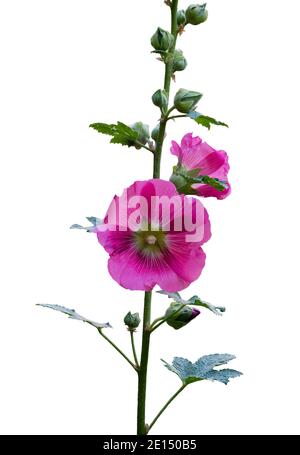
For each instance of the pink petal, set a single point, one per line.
(136, 272)
(212, 162)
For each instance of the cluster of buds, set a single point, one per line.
(194, 15)
(178, 317)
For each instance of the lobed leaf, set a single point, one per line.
(195, 300)
(73, 315)
(121, 133)
(93, 220)
(203, 369)
(205, 120)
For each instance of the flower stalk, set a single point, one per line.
(144, 254)
(142, 384)
(142, 429)
(167, 85)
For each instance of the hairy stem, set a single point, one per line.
(117, 349)
(167, 85)
(142, 428)
(142, 386)
(166, 405)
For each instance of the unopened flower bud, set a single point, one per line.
(181, 183)
(155, 133)
(196, 14)
(143, 132)
(160, 99)
(132, 320)
(179, 318)
(162, 40)
(186, 100)
(181, 18)
(179, 62)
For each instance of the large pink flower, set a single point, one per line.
(155, 249)
(194, 154)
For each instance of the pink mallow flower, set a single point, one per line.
(154, 250)
(197, 159)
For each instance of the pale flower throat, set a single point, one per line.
(150, 243)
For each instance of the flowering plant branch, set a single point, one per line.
(154, 232)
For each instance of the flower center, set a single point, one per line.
(151, 239)
(150, 243)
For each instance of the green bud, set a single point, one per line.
(179, 318)
(160, 99)
(181, 18)
(162, 40)
(181, 183)
(186, 100)
(196, 14)
(179, 62)
(143, 131)
(155, 132)
(132, 320)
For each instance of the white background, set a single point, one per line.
(66, 64)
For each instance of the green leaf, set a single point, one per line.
(204, 179)
(203, 369)
(205, 120)
(195, 300)
(187, 178)
(121, 133)
(93, 220)
(104, 128)
(73, 315)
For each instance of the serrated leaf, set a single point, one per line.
(205, 120)
(203, 179)
(93, 220)
(194, 177)
(73, 315)
(195, 300)
(203, 369)
(121, 133)
(104, 128)
(218, 310)
(172, 295)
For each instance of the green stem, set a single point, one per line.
(142, 386)
(139, 144)
(167, 85)
(166, 405)
(163, 320)
(117, 349)
(133, 349)
(176, 116)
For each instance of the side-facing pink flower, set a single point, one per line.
(154, 236)
(196, 158)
